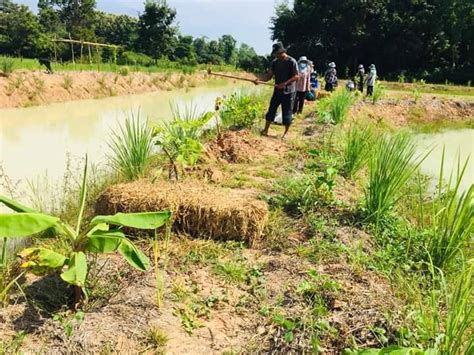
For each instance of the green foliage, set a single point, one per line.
(451, 217)
(378, 94)
(391, 350)
(98, 237)
(7, 65)
(391, 166)
(361, 38)
(334, 109)
(131, 146)
(242, 110)
(179, 138)
(124, 71)
(357, 149)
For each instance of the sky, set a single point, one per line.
(247, 21)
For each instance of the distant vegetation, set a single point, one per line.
(427, 39)
(145, 40)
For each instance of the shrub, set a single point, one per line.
(334, 108)
(131, 147)
(134, 58)
(378, 94)
(391, 165)
(67, 82)
(124, 71)
(357, 147)
(179, 138)
(6, 65)
(241, 110)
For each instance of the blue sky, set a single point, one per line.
(246, 20)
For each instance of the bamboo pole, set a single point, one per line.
(70, 40)
(82, 45)
(239, 78)
(90, 54)
(72, 51)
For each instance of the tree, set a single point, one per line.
(249, 60)
(156, 33)
(117, 29)
(20, 31)
(228, 49)
(78, 16)
(201, 47)
(184, 51)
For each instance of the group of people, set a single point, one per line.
(295, 81)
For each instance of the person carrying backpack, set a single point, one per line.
(330, 77)
(371, 77)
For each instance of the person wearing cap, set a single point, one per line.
(371, 77)
(303, 85)
(285, 70)
(360, 78)
(330, 77)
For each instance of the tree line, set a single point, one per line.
(143, 40)
(429, 39)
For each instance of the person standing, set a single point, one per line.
(371, 78)
(303, 85)
(285, 70)
(330, 77)
(360, 78)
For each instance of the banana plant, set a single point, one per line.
(104, 234)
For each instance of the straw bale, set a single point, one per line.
(200, 210)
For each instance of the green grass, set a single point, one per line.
(161, 66)
(391, 166)
(335, 108)
(7, 65)
(451, 219)
(131, 146)
(457, 90)
(357, 148)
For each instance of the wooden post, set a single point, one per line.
(90, 54)
(82, 45)
(72, 50)
(55, 52)
(98, 58)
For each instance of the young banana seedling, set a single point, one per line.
(104, 234)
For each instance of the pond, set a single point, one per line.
(458, 146)
(39, 142)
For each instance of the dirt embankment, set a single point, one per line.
(27, 88)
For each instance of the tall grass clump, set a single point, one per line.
(444, 320)
(391, 166)
(378, 94)
(356, 150)
(334, 109)
(451, 219)
(131, 147)
(6, 65)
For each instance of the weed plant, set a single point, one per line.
(7, 65)
(242, 110)
(131, 147)
(391, 166)
(357, 149)
(335, 108)
(378, 94)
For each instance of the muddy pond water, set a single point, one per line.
(38, 143)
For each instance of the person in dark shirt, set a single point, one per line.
(285, 70)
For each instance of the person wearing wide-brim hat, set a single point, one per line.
(330, 77)
(303, 85)
(371, 78)
(285, 70)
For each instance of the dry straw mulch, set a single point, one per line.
(200, 210)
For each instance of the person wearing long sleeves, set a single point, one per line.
(303, 85)
(371, 78)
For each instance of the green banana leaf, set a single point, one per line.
(101, 241)
(77, 270)
(143, 220)
(25, 224)
(133, 255)
(15, 206)
(41, 258)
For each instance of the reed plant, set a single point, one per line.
(335, 108)
(131, 146)
(451, 219)
(391, 166)
(356, 150)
